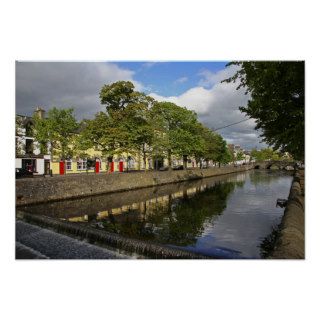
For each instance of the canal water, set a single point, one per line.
(226, 216)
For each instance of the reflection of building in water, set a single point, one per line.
(102, 214)
(140, 210)
(203, 187)
(240, 177)
(176, 195)
(191, 191)
(78, 219)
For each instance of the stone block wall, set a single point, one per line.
(46, 189)
(290, 243)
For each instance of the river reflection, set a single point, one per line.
(227, 215)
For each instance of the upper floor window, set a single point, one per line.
(29, 146)
(29, 129)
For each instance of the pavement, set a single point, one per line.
(33, 242)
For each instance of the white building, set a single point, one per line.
(28, 154)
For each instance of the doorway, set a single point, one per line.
(158, 163)
(46, 166)
(29, 164)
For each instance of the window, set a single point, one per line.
(69, 164)
(82, 164)
(131, 162)
(29, 129)
(29, 146)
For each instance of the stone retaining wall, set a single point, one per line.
(290, 242)
(47, 189)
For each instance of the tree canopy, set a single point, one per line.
(57, 130)
(135, 124)
(176, 128)
(276, 102)
(267, 154)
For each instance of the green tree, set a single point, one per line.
(265, 154)
(175, 131)
(240, 156)
(137, 124)
(58, 130)
(117, 96)
(222, 155)
(129, 111)
(276, 101)
(207, 144)
(102, 134)
(213, 147)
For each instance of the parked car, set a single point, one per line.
(23, 173)
(180, 167)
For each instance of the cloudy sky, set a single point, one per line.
(195, 85)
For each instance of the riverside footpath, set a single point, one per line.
(290, 243)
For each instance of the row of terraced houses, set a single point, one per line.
(29, 156)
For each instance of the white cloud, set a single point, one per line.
(210, 78)
(218, 106)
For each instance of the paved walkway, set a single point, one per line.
(33, 242)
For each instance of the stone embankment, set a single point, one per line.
(46, 189)
(290, 242)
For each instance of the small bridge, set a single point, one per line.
(280, 164)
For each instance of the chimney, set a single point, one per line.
(39, 112)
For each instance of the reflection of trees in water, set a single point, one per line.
(239, 184)
(265, 176)
(177, 221)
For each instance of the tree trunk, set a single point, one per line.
(169, 160)
(127, 162)
(139, 160)
(144, 159)
(185, 162)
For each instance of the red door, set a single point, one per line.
(121, 166)
(111, 166)
(97, 166)
(61, 167)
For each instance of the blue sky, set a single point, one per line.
(170, 78)
(195, 85)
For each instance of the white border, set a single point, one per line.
(166, 30)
